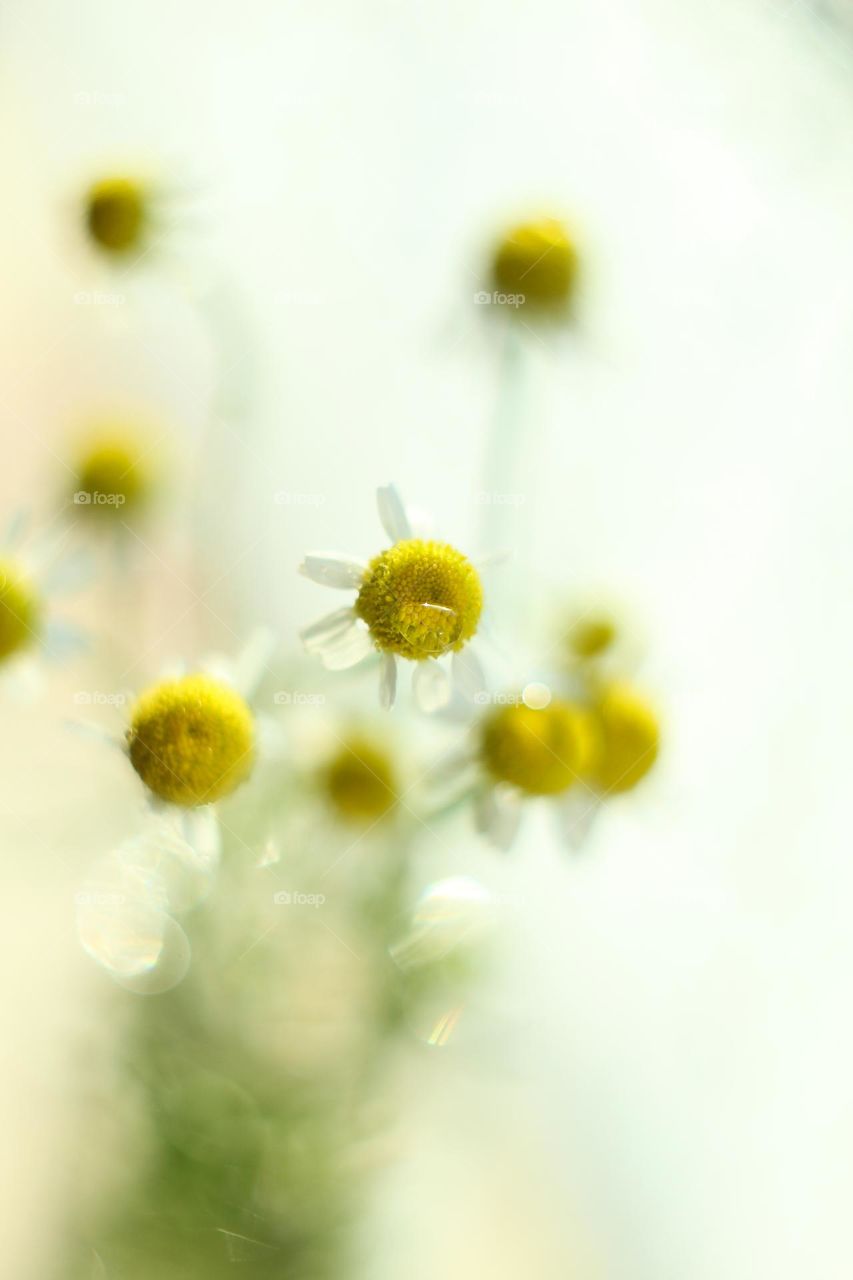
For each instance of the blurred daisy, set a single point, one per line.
(359, 780)
(33, 574)
(598, 639)
(419, 600)
(627, 738)
(123, 214)
(571, 753)
(113, 474)
(532, 747)
(191, 738)
(535, 266)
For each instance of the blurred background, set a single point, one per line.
(656, 1082)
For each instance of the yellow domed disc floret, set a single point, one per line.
(538, 260)
(116, 214)
(20, 611)
(191, 740)
(629, 738)
(111, 475)
(540, 750)
(360, 782)
(591, 636)
(420, 599)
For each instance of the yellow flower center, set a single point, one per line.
(629, 738)
(20, 611)
(538, 260)
(420, 599)
(111, 476)
(541, 750)
(590, 637)
(360, 781)
(116, 214)
(191, 740)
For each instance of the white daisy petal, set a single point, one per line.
(340, 640)
(325, 629)
(252, 662)
(497, 815)
(345, 647)
(467, 673)
(577, 814)
(392, 513)
(490, 559)
(431, 686)
(333, 570)
(388, 681)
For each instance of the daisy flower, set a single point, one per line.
(113, 473)
(418, 600)
(123, 213)
(599, 639)
(359, 779)
(571, 753)
(32, 575)
(535, 265)
(191, 738)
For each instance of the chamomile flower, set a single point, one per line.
(572, 752)
(535, 265)
(33, 574)
(359, 780)
(418, 600)
(350, 775)
(599, 638)
(116, 214)
(113, 473)
(627, 738)
(124, 212)
(192, 739)
(527, 748)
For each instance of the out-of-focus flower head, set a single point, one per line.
(33, 573)
(419, 600)
(359, 780)
(192, 741)
(627, 738)
(126, 211)
(191, 737)
(572, 752)
(113, 473)
(117, 214)
(535, 266)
